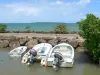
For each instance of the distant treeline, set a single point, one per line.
(59, 28)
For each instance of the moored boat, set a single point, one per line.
(42, 51)
(66, 51)
(17, 52)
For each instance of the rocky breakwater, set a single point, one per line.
(15, 41)
(76, 42)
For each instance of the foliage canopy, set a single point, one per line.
(27, 28)
(90, 30)
(61, 28)
(3, 27)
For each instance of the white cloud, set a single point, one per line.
(43, 11)
(25, 9)
(59, 2)
(84, 1)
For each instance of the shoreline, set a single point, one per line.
(39, 34)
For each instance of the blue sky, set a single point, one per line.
(26, 11)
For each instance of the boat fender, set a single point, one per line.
(46, 64)
(54, 66)
(24, 60)
(42, 63)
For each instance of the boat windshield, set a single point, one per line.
(66, 51)
(42, 49)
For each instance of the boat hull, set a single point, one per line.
(66, 51)
(39, 55)
(17, 52)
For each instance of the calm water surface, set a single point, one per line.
(10, 66)
(40, 26)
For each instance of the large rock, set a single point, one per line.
(41, 40)
(1, 44)
(10, 38)
(63, 40)
(4, 43)
(31, 43)
(52, 42)
(23, 41)
(14, 44)
(73, 42)
(3, 37)
(81, 42)
(47, 39)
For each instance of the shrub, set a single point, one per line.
(61, 28)
(27, 28)
(3, 27)
(90, 30)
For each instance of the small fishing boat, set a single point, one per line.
(17, 52)
(42, 50)
(66, 51)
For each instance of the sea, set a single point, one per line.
(40, 26)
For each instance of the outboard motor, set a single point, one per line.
(57, 61)
(33, 54)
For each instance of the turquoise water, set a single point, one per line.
(39, 26)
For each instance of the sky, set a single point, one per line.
(27, 11)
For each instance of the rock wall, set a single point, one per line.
(14, 41)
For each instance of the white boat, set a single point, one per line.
(46, 47)
(17, 52)
(65, 50)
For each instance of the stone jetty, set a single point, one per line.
(12, 40)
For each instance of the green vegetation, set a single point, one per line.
(90, 30)
(27, 28)
(3, 28)
(61, 28)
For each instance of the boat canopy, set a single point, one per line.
(65, 49)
